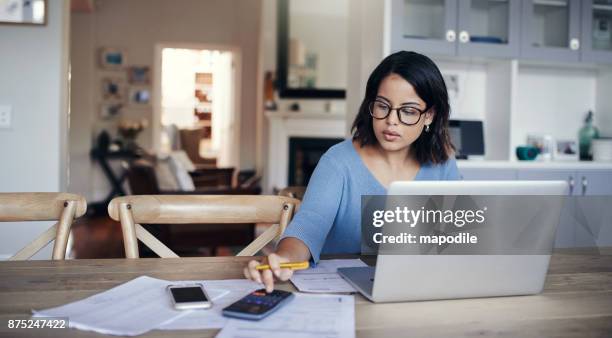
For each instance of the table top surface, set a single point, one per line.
(576, 301)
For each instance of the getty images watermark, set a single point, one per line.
(466, 225)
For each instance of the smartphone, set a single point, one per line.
(190, 296)
(258, 304)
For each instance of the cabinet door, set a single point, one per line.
(427, 26)
(489, 28)
(597, 31)
(566, 236)
(550, 30)
(593, 210)
(482, 174)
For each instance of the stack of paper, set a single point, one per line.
(325, 278)
(143, 304)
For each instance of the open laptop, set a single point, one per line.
(427, 277)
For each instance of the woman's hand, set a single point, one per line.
(267, 276)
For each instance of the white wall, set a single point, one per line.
(138, 26)
(552, 101)
(469, 101)
(366, 49)
(34, 81)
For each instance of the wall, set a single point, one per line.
(34, 81)
(366, 45)
(138, 26)
(552, 101)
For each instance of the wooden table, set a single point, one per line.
(576, 302)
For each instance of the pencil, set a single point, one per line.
(291, 265)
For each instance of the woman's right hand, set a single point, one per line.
(267, 276)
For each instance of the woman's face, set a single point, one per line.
(391, 133)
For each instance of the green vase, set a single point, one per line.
(587, 133)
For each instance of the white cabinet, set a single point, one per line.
(483, 174)
(565, 231)
(593, 208)
(586, 218)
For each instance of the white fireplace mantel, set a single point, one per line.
(282, 126)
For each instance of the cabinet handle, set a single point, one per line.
(574, 44)
(584, 185)
(571, 185)
(464, 37)
(451, 35)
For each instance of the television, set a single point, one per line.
(467, 137)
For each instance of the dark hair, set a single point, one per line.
(423, 74)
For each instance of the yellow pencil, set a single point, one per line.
(291, 265)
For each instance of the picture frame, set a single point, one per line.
(545, 145)
(113, 89)
(112, 58)
(110, 110)
(140, 96)
(566, 150)
(140, 75)
(24, 12)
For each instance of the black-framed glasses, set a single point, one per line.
(407, 115)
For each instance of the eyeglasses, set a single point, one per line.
(406, 114)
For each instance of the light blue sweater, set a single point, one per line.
(329, 219)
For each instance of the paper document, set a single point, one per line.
(325, 278)
(306, 316)
(133, 308)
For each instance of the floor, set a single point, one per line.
(101, 237)
(97, 237)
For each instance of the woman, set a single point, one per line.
(400, 134)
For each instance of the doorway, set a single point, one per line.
(196, 103)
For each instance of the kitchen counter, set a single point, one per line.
(561, 165)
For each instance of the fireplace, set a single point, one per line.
(304, 154)
(322, 129)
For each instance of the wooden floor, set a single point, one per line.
(97, 237)
(101, 237)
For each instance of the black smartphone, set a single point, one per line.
(258, 304)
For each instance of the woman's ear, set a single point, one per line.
(429, 116)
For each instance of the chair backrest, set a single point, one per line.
(293, 192)
(196, 209)
(43, 206)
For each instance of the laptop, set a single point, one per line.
(398, 278)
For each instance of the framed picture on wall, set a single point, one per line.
(140, 96)
(140, 75)
(112, 58)
(23, 12)
(113, 89)
(110, 110)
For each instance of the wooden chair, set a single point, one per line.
(190, 209)
(43, 206)
(293, 192)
